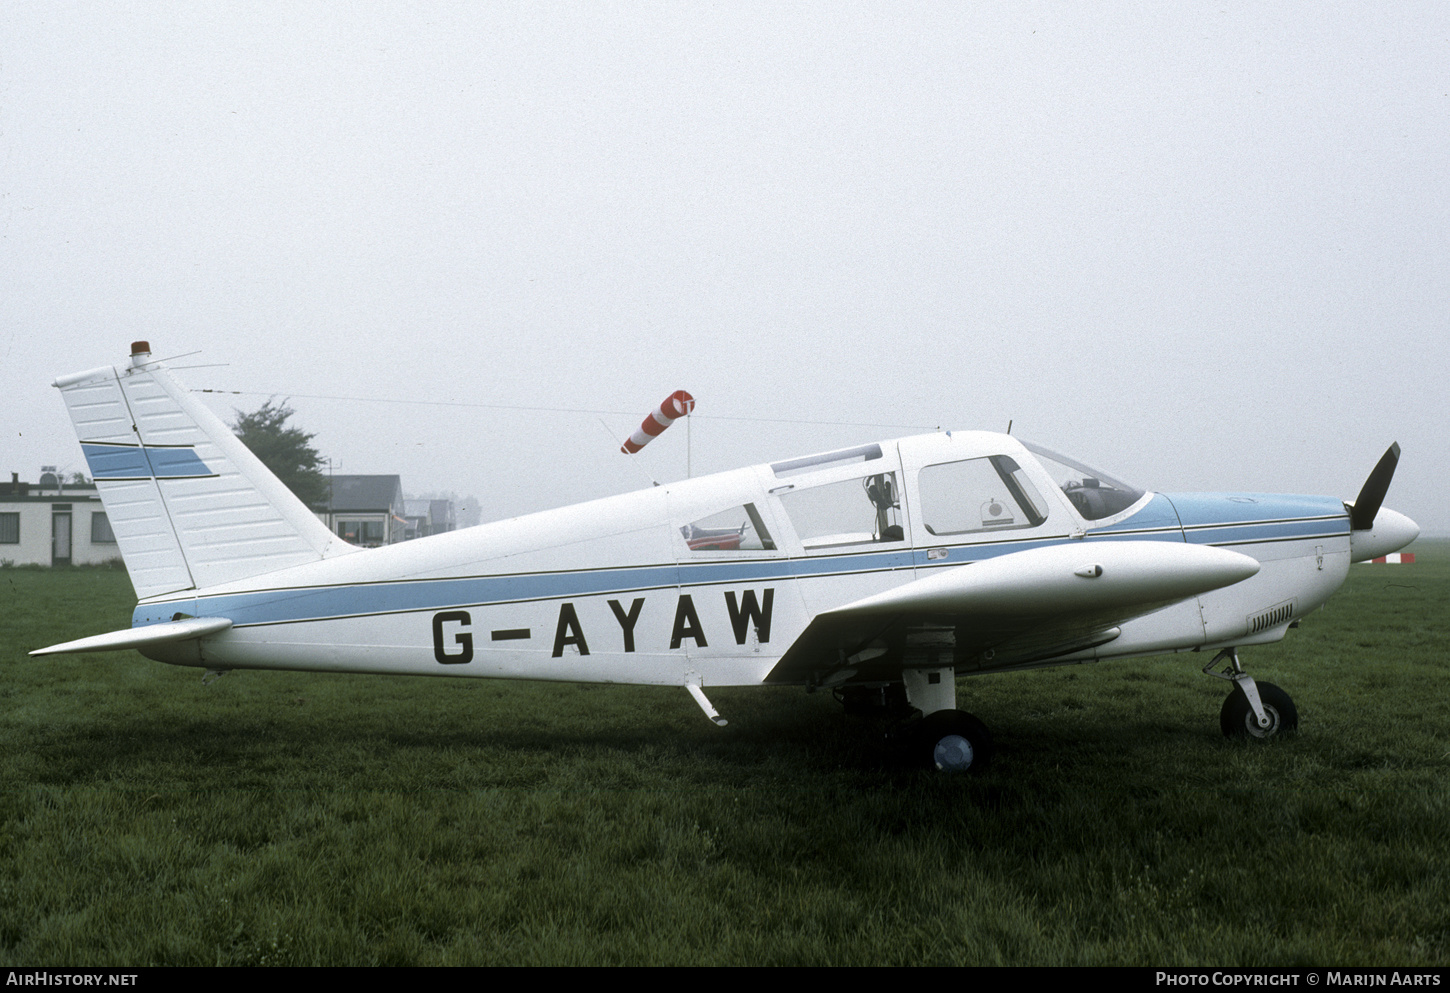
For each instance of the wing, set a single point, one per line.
(1010, 610)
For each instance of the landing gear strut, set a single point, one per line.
(926, 727)
(945, 739)
(1252, 710)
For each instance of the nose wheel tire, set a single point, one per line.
(1237, 717)
(953, 741)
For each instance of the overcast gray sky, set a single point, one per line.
(1201, 245)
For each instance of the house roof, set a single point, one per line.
(15, 490)
(366, 494)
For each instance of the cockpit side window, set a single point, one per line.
(987, 494)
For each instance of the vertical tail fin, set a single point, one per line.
(190, 505)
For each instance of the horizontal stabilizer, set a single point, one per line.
(142, 637)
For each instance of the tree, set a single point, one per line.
(286, 451)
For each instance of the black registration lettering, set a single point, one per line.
(627, 621)
(463, 639)
(748, 612)
(568, 631)
(687, 623)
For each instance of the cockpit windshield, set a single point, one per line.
(1095, 494)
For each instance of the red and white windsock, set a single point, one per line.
(676, 405)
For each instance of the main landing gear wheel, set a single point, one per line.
(1237, 717)
(953, 741)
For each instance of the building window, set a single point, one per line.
(9, 529)
(101, 533)
(362, 532)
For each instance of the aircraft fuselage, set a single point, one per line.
(633, 589)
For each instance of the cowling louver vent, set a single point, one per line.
(1271, 618)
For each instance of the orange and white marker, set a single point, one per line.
(676, 405)
(1403, 558)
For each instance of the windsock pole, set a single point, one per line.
(676, 405)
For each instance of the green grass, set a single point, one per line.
(293, 818)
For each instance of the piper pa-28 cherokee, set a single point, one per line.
(880, 572)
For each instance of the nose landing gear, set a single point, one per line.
(1252, 710)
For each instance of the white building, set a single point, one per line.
(366, 510)
(428, 516)
(53, 523)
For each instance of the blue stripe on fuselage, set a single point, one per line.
(320, 603)
(1218, 519)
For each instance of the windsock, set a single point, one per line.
(676, 405)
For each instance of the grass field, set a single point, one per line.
(298, 819)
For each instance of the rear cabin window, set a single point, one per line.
(852, 512)
(739, 529)
(989, 494)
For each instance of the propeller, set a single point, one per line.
(1362, 512)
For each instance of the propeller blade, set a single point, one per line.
(1372, 494)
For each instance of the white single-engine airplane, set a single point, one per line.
(881, 572)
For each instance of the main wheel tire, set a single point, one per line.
(1237, 717)
(953, 741)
